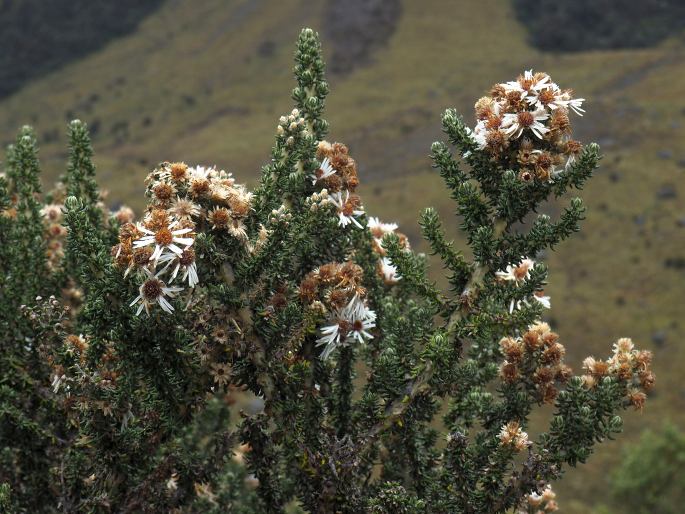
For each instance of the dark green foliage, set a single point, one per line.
(599, 24)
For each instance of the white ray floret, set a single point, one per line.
(517, 273)
(352, 323)
(181, 263)
(154, 291)
(346, 213)
(514, 124)
(326, 170)
(163, 239)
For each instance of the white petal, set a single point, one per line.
(165, 305)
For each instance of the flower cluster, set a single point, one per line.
(379, 230)
(511, 435)
(524, 125)
(55, 233)
(336, 290)
(630, 366)
(183, 202)
(536, 361)
(337, 174)
(86, 385)
(517, 274)
(217, 338)
(540, 503)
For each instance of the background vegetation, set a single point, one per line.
(202, 81)
(38, 37)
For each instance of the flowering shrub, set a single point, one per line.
(129, 345)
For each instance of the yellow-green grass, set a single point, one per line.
(608, 282)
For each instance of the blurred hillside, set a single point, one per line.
(43, 36)
(205, 82)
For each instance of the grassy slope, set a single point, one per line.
(190, 84)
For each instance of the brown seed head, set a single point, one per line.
(498, 92)
(531, 341)
(163, 192)
(338, 298)
(279, 301)
(350, 273)
(563, 372)
(543, 375)
(308, 289)
(525, 119)
(178, 171)
(508, 371)
(152, 289)
(333, 183)
(512, 349)
(637, 399)
(219, 217)
(128, 231)
(187, 257)
(351, 204)
(493, 122)
(549, 393)
(543, 162)
(484, 107)
(496, 141)
(525, 175)
(157, 219)
(328, 272)
(239, 207)
(164, 237)
(559, 121)
(199, 187)
(553, 354)
(573, 147)
(647, 380)
(546, 96)
(514, 102)
(141, 256)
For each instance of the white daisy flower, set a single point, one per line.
(534, 499)
(201, 172)
(331, 337)
(357, 309)
(325, 170)
(574, 104)
(184, 262)
(183, 208)
(480, 134)
(350, 324)
(527, 84)
(513, 85)
(546, 301)
(539, 296)
(514, 124)
(517, 273)
(153, 291)
(237, 229)
(164, 238)
(362, 325)
(348, 209)
(375, 225)
(52, 212)
(550, 97)
(389, 270)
